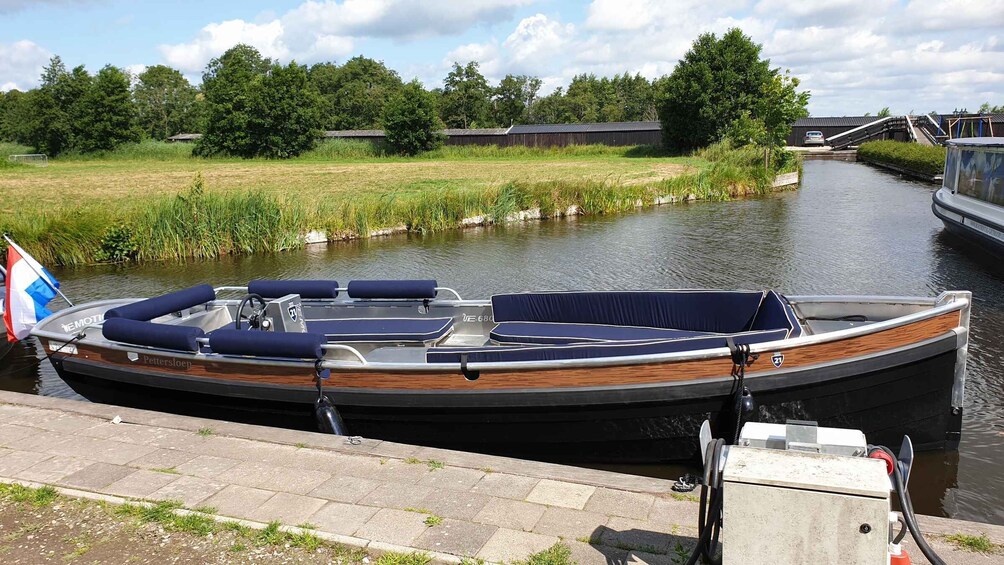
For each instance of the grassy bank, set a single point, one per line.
(922, 159)
(153, 201)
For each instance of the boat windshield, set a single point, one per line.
(980, 174)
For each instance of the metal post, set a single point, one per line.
(41, 275)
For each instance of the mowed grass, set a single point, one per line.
(154, 201)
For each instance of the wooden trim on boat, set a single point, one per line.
(294, 374)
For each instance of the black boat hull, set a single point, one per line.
(906, 391)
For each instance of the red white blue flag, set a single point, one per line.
(27, 291)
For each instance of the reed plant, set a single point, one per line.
(213, 216)
(923, 159)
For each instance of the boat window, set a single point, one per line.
(981, 174)
(951, 168)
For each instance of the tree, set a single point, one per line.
(227, 85)
(884, 113)
(108, 117)
(552, 109)
(410, 122)
(54, 108)
(513, 99)
(15, 116)
(466, 96)
(716, 82)
(166, 103)
(285, 113)
(355, 93)
(986, 108)
(258, 108)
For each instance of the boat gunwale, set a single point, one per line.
(946, 302)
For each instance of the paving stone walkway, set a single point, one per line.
(367, 493)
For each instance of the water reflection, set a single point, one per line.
(850, 229)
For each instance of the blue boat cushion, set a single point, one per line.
(551, 332)
(593, 350)
(305, 288)
(135, 332)
(775, 312)
(382, 329)
(151, 308)
(690, 310)
(411, 289)
(267, 344)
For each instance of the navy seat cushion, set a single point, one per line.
(305, 288)
(690, 310)
(151, 308)
(136, 332)
(550, 332)
(407, 289)
(267, 344)
(382, 329)
(775, 312)
(593, 350)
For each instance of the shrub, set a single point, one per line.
(923, 159)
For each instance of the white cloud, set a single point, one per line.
(21, 64)
(316, 31)
(214, 39)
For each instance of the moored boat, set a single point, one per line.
(592, 375)
(970, 201)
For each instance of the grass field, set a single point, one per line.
(153, 201)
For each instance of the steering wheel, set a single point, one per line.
(254, 318)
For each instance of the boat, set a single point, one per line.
(970, 201)
(576, 376)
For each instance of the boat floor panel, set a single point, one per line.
(397, 355)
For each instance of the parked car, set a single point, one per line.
(814, 138)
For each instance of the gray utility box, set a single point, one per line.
(785, 506)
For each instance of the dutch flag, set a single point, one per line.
(27, 291)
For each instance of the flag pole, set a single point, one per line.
(40, 275)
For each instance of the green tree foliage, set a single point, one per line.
(107, 116)
(410, 121)
(257, 108)
(513, 98)
(354, 93)
(285, 113)
(884, 113)
(15, 116)
(466, 97)
(227, 86)
(718, 82)
(55, 111)
(166, 104)
(589, 98)
(986, 108)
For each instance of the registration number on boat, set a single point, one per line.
(61, 347)
(992, 232)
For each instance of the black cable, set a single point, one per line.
(709, 519)
(907, 511)
(902, 531)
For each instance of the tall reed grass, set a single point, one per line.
(200, 222)
(923, 159)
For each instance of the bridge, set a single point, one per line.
(925, 129)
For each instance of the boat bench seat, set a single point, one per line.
(559, 333)
(548, 317)
(500, 354)
(382, 329)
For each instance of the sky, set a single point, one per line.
(853, 56)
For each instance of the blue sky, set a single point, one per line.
(853, 56)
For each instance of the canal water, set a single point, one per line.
(850, 229)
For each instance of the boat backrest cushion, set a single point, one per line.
(775, 312)
(691, 310)
(267, 344)
(135, 332)
(408, 289)
(305, 288)
(146, 310)
(593, 350)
